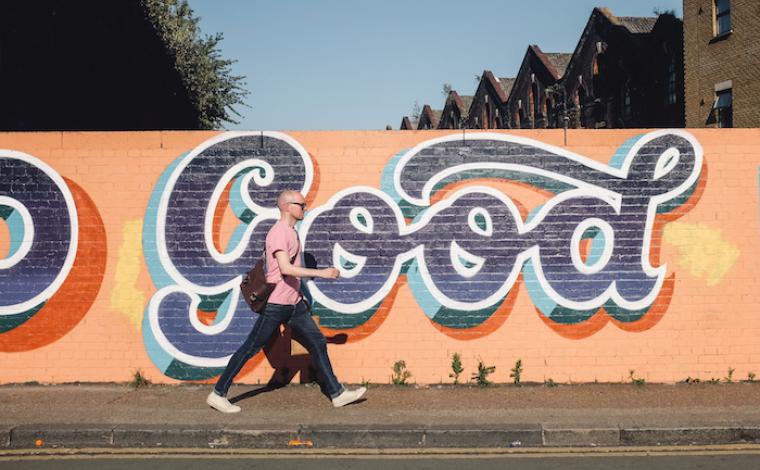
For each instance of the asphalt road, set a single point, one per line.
(715, 461)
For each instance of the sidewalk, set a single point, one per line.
(116, 416)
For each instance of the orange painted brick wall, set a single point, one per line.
(122, 252)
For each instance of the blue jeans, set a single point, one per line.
(297, 316)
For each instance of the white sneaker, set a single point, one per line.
(221, 404)
(348, 396)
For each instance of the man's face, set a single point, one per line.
(297, 207)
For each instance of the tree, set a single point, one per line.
(416, 111)
(446, 90)
(207, 77)
(659, 12)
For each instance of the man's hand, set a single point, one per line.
(287, 269)
(329, 273)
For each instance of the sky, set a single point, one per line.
(362, 65)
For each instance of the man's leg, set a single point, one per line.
(262, 331)
(316, 344)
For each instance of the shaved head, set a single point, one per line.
(286, 197)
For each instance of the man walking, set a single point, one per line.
(285, 306)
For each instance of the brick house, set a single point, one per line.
(455, 111)
(429, 118)
(666, 106)
(489, 103)
(722, 56)
(625, 72)
(529, 105)
(408, 124)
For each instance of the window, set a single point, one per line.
(672, 95)
(532, 103)
(596, 75)
(580, 99)
(627, 103)
(721, 16)
(724, 107)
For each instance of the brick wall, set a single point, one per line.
(710, 61)
(123, 251)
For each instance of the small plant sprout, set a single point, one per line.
(456, 367)
(636, 380)
(750, 376)
(481, 377)
(400, 373)
(138, 380)
(730, 377)
(550, 383)
(517, 372)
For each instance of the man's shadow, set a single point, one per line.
(289, 361)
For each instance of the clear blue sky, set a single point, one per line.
(357, 64)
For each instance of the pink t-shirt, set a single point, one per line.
(282, 237)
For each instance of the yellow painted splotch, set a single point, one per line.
(126, 298)
(702, 250)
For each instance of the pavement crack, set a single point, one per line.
(118, 398)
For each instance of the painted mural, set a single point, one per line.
(47, 282)
(584, 261)
(462, 255)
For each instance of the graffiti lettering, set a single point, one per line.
(191, 273)
(461, 255)
(41, 216)
(56, 253)
(464, 253)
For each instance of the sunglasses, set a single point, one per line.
(302, 204)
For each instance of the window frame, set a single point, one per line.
(627, 103)
(671, 89)
(718, 15)
(724, 115)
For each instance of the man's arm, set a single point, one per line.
(287, 269)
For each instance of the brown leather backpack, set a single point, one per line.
(255, 288)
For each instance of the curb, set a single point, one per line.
(362, 437)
